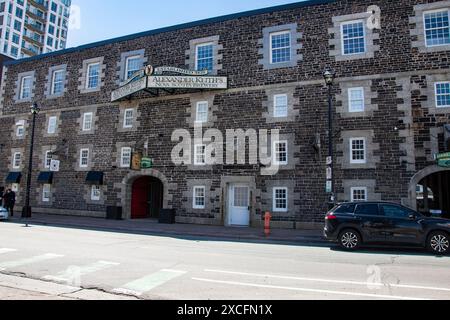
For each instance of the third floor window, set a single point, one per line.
(437, 28)
(353, 38)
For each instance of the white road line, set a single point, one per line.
(354, 294)
(6, 250)
(330, 281)
(150, 282)
(22, 262)
(75, 272)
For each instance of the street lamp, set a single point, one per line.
(329, 76)
(26, 211)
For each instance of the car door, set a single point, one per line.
(402, 224)
(371, 221)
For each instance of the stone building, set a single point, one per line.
(100, 112)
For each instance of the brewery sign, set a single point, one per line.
(443, 159)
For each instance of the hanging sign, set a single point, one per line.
(329, 187)
(136, 161)
(443, 159)
(146, 163)
(54, 165)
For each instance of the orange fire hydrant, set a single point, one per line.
(267, 218)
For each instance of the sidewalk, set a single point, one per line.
(152, 227)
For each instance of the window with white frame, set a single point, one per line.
(48, 159)
(96, 193)
(280, 106)
(128, 118)
(280, 47)
(87, 121)
(199, 198)
(84, 158)
(199, 154)
(280, 152)
(442, 90)
(280, 199)
(132, 65)
(17, 160)
(25, 87)
(58, 81)
(125, 157)
(202, 112)
(358, 194)
(358, 150)
(356, 99)
(437, 28)
(93, 76)
(204, 57)
(52, 121)
(353, 37)
(20, 129)
(46, 192)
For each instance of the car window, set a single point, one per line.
(392, 211)
(345, 208)
(367, 210)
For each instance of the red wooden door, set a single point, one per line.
(140, 199)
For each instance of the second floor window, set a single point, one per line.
(133, 65)
(48, 159)
(25, 88)
(125, 158)
(202, 112)
(280, 47)
(437, 28)
(353, 38)
(128, 118)
(87, 121)
(280, 152)
(51, 125)
(84, 158)
(93, 76)
(358, 150)
(20, 129)
(58, 82)
(280, 109)
(199, 155)
(205, 57)
(17, 160)
(356, 99)
(442, 90)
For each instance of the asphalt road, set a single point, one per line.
(68, 263)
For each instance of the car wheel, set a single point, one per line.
(349, 239)
(439, 243)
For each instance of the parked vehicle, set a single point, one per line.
(4, 215)
(355, 224)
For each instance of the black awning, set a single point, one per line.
(95, 177)
(45, 177)
(14, 177)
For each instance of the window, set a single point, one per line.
(199, 198)
(95, 193)
(280, 199)
(353, 38)
(442, 90)
(356, 99)
(46, 192)
(87, 121)
(205, 57)
(358, 194)
(125, 158)
(358, 150)
(437, 28)
(280, 103)
(202, 112)
(93, 74)
(84, 158)
(20, 129)
(280, 47)
(48, 159)
(128, 118)
(280, 152)
(393, 211)
(199, 154)
(367, 210)
(52, 125)
(58, 82)
(25, 87)
(133, 65)
(17, 160)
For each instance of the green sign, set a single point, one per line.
(146, 163)
(443, 160)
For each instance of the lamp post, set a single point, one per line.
(329, 79)
(26, 212)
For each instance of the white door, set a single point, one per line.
(239, 202)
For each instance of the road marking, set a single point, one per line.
(329, 281)
(6, 250)
(22, 262)
(73, 273)
(150, 282)
(355, 294)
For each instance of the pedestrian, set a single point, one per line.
(10, 201)
(2, 192)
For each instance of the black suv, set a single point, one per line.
(354, 224)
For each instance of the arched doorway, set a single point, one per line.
(433, 194)
(146, 198)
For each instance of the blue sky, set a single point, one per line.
(105, 19)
